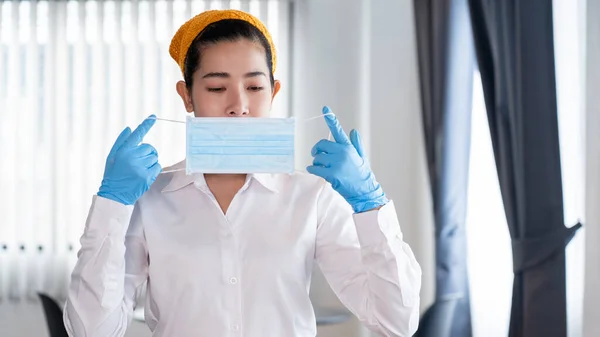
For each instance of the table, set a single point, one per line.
(325, 316)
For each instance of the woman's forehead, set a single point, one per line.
(236, 57)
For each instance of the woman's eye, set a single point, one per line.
(215, 89)
(255, 88)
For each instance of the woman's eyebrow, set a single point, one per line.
(227, 75)
(255, 73)
(216, 74)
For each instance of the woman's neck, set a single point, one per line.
(225, 178)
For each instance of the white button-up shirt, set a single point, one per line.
(243, 273)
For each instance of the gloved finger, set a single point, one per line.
(119, 142)
(140, 132)
(326, 146)
(155, 170)
(335, 127)
(148, 161)
(319, 171)
(355, 139)
(322, 159)
(144, 149)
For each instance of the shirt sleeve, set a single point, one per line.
(111, 265)
(368, 265)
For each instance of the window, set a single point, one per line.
(489, 256)
(489, 246)
(73, 74)
(569, 51)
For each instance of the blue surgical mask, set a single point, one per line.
(239, 145)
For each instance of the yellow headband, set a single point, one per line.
(186, 34)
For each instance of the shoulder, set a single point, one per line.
(302, 180)
(303, 184)
(171, 178)
(169, 175)
(301, 177)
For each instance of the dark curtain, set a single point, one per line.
(515, 51)
(446, 65)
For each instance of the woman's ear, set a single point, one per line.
(185, 95)
(276, 87)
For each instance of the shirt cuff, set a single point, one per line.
(377, 226)
(108, 218)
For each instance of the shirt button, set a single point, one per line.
(233, 280)
(235, 327)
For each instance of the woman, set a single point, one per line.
(232, 255)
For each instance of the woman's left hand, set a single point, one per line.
(343, 164)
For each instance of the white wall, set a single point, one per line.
(397, 144)
(363, 65)
(591, 324)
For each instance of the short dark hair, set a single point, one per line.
(225, 30)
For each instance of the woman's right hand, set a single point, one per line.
(131, 167)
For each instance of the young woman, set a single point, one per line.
(232, 254)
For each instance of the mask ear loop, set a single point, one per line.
(169, 120)
(319, 116)
(173, 170)
(182, 122)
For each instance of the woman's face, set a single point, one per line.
(232, 81)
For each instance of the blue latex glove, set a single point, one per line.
(343, 164)
(131, 167)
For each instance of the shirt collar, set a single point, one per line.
(268, 180)
(179, 179)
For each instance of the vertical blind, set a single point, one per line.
(73, 74)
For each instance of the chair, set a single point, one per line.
(437, 320)
(54, 316)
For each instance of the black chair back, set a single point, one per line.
(437, 320)
(54, 316)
